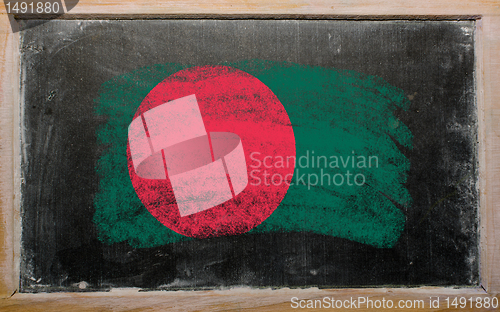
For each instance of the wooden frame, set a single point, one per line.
(487, 14)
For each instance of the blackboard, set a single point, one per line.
(79, 76)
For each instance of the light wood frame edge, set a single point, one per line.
(488, 78)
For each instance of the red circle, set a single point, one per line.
(230, 100)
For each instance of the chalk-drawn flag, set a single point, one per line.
(321, 150)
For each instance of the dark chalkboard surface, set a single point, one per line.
(400, 91)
